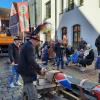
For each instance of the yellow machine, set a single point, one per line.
(5, 40)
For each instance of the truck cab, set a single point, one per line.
(5, 40)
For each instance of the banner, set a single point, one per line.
(23, 16)
(13, 22)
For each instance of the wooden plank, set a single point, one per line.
(69, 94)
(44, 84)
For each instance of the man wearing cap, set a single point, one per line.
(13, 52)
(28, 68)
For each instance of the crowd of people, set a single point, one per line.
(23, 57)
(62, 55)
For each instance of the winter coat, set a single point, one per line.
(97, 43)
(45, 54)
(82, 45)
(27, 65)
(97, 65)
(59, 50)
(90, 57)
(69, 51)
(13, 52)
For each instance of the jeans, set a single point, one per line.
(13, 78)
(98, 53)
(60, 61)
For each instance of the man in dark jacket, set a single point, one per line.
(59, 50)
(97, 44)
(87, 58)
(28, 68)
(13, 52)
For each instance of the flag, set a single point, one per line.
(23, 16)
(13, 22)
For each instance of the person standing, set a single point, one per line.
(59, 48)
(97, 65)
(28, 67)
(97, 44)
(13, 52)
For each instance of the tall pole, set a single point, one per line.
(35, 10)
(24, 26)
(55, 19)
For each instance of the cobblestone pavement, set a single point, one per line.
(7, 93)
(90, 73)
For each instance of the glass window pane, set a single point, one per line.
(70, 4)
(48, 9)
(76, 35)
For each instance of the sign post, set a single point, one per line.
(23, 17)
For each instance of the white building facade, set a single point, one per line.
(81, 19)
(73, 18)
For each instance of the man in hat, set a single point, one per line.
(28, 67)
(13, 52)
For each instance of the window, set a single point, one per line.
(99, 3)
(81, 2)
(62, 5)
(70, 4)
(76, 35)
(48, 9)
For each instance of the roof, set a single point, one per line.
(4, 13)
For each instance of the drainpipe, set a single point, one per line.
(55, 19)
(35, 10)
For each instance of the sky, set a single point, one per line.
(7, 3)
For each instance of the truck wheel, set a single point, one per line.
(28, 92)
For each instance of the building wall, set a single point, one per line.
(52, 19)
(33, 11)
(87, 16)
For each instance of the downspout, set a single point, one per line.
(55, 19)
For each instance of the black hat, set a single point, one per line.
(35, 37)
(34, 34)
(36, 31)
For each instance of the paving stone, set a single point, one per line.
(7, 97)
(16, 93)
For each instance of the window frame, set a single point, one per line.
(70, 5)
(48, 9)
(77, 32)
(81, 2)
